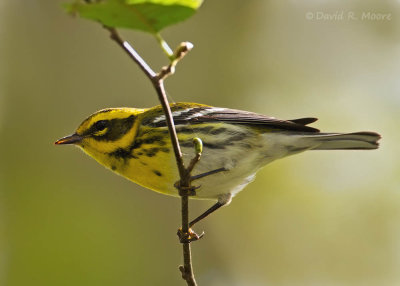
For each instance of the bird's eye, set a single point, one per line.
(100, 125)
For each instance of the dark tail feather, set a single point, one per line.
(345, 141)
(304, 121)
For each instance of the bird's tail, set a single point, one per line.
(344, 141)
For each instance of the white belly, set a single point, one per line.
(241, 163)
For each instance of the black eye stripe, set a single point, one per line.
(100, 125)
(116, 128)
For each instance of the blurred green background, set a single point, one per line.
(318, 218)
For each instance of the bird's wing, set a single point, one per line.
(202, 114)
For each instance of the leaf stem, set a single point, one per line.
(165, 47)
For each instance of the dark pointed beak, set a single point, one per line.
(70, 139)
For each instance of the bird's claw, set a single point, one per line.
(188, 237)
(186, 191)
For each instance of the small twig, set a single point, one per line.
(180, 52)
(198, 147)
(184, 185)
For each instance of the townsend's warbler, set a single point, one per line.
(135, 144)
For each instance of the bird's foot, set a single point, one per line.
(186, 191)
(190, 236)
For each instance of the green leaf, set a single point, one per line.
(146, 15)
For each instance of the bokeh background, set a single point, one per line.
(318, 218)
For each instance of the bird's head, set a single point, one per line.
(105, 131)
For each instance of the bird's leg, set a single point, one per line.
(191, 236)
(202, 175)
(213, 208)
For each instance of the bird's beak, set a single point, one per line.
(70, 139)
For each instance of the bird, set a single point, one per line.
(135, 143)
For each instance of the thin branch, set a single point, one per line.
(159, 86)
(187, 268)
(158, 82)
(184, 184)
(131, 53)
